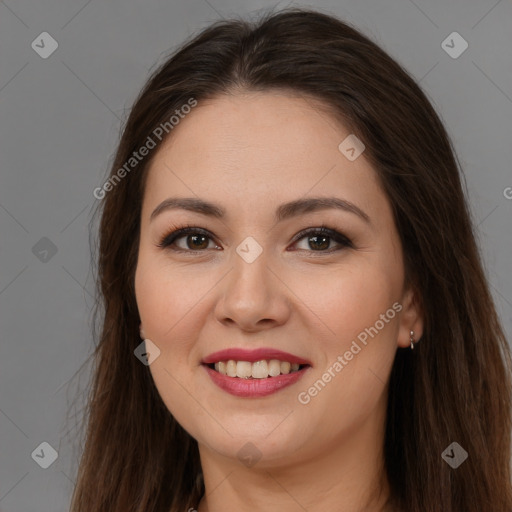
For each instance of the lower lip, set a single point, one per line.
(248, 388)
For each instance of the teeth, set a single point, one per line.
(231, 368)
(243, 369)
(257, 370)
(274, 367)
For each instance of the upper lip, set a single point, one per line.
(252, 355)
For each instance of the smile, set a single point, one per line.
(254, 372)
(257, 370)
(241, 384)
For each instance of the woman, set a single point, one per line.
(285, 226)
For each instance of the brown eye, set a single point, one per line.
(319, 239)
(198, 240)
(195, 239)
(319, 242)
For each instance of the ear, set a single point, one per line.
(142, 334)
(411, 319)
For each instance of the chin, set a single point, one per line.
(256, 440)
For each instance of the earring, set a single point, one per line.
(412, 339)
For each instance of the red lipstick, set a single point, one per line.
(252, 387)
(243, 354)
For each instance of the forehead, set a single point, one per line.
(259, 147)
(270, 127)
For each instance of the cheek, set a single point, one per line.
(167, 312)
(355, 363)
(164, 297)
(153, 298)
(360, 308)
(348, 299)
(172, 304)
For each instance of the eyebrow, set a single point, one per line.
(283, 212)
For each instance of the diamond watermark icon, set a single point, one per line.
(44, 45)
(351, 147)
(44, 250)
(454, 45)
(146, 352)
(249, 249)
(249, 455)
(45, 455)
(454, 455)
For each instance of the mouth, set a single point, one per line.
(255, 379)
(256, 372)
(262, 369)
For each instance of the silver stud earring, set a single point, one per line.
(411, 337)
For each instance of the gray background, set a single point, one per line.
(59, 124)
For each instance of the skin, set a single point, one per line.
(249, 152)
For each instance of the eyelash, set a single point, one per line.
(323, 230)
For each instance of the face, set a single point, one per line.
(253, 274)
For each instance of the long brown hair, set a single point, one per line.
(455, 386)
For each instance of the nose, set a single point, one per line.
(253, 297)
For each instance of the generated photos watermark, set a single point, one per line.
(158, 133)
(304, 397)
